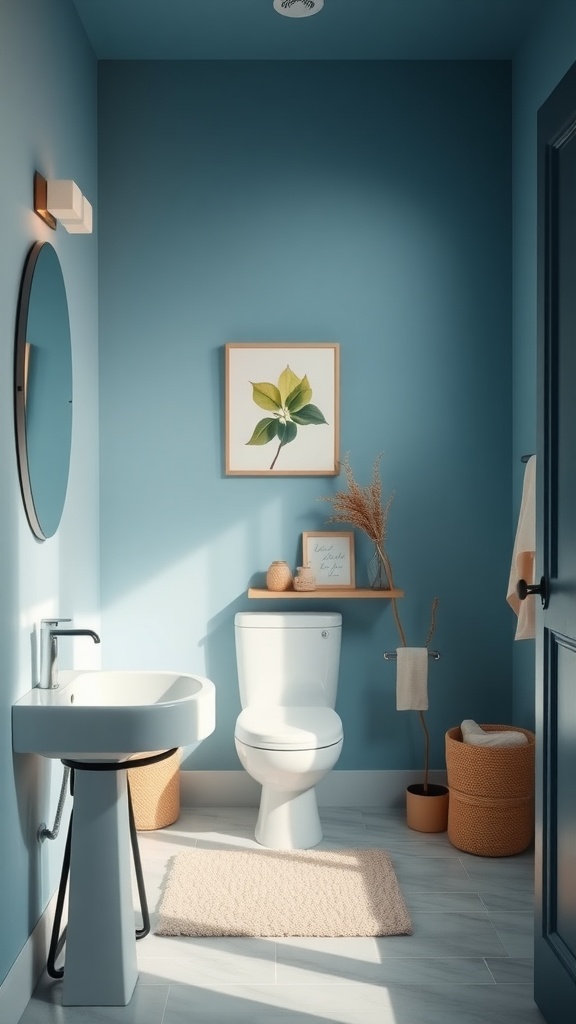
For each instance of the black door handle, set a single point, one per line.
(524, 590)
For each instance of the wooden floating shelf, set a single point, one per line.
(325, 592)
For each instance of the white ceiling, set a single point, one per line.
(343, 30)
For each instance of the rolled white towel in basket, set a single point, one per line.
(478, 737)
(411, 678)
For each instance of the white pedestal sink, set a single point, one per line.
(107, 716)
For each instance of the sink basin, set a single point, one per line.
(110, 715)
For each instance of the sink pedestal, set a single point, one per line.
(100, 956)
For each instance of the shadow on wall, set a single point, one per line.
(220, 661)
(32, 778)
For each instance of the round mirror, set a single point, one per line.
(43, 389)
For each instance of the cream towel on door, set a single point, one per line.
(524, 556)
(411, 678)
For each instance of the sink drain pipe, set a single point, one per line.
(57, 940)
(44, 832)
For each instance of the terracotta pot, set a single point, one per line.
(427, 811)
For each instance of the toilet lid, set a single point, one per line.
(289, 728)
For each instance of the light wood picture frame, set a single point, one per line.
(282, 408)
(330, 555)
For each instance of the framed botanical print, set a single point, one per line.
(282, 408)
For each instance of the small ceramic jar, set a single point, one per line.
(304, 578)
(279, 576)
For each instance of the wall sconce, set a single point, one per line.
(62, 201)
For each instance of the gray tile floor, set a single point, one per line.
(468, 961)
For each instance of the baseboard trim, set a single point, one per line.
(384, 789)
(17, 988)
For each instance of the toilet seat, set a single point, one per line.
(288, 728)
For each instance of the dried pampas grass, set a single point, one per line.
(362, 507)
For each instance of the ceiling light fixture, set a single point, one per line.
(62, 201)
(298, 8)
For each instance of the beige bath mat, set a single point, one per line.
(282, 892)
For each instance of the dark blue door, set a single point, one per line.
(555, 918)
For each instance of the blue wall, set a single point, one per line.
(47, 123)
(364, 203)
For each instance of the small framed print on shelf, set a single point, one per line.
(330, 555)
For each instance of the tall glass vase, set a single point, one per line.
(377, 576)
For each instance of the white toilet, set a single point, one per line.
(288, 735)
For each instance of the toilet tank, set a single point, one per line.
(288, 658)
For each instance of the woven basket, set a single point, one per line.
(155, 792)
(491, 809)
(304, 583)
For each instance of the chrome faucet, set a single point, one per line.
(49, 634)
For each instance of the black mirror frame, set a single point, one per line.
(20, 391)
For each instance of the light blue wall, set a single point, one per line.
(364, 203)
(543, 60)
(48, 123)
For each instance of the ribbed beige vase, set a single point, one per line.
(279, 576)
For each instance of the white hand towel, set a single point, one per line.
(524, 556)
(412, 678)
(478, 737)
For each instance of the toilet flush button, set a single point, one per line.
(324, 633)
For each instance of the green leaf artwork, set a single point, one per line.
(289, 402)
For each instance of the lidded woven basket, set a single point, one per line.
(491, 809)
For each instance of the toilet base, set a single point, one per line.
(288, 821)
